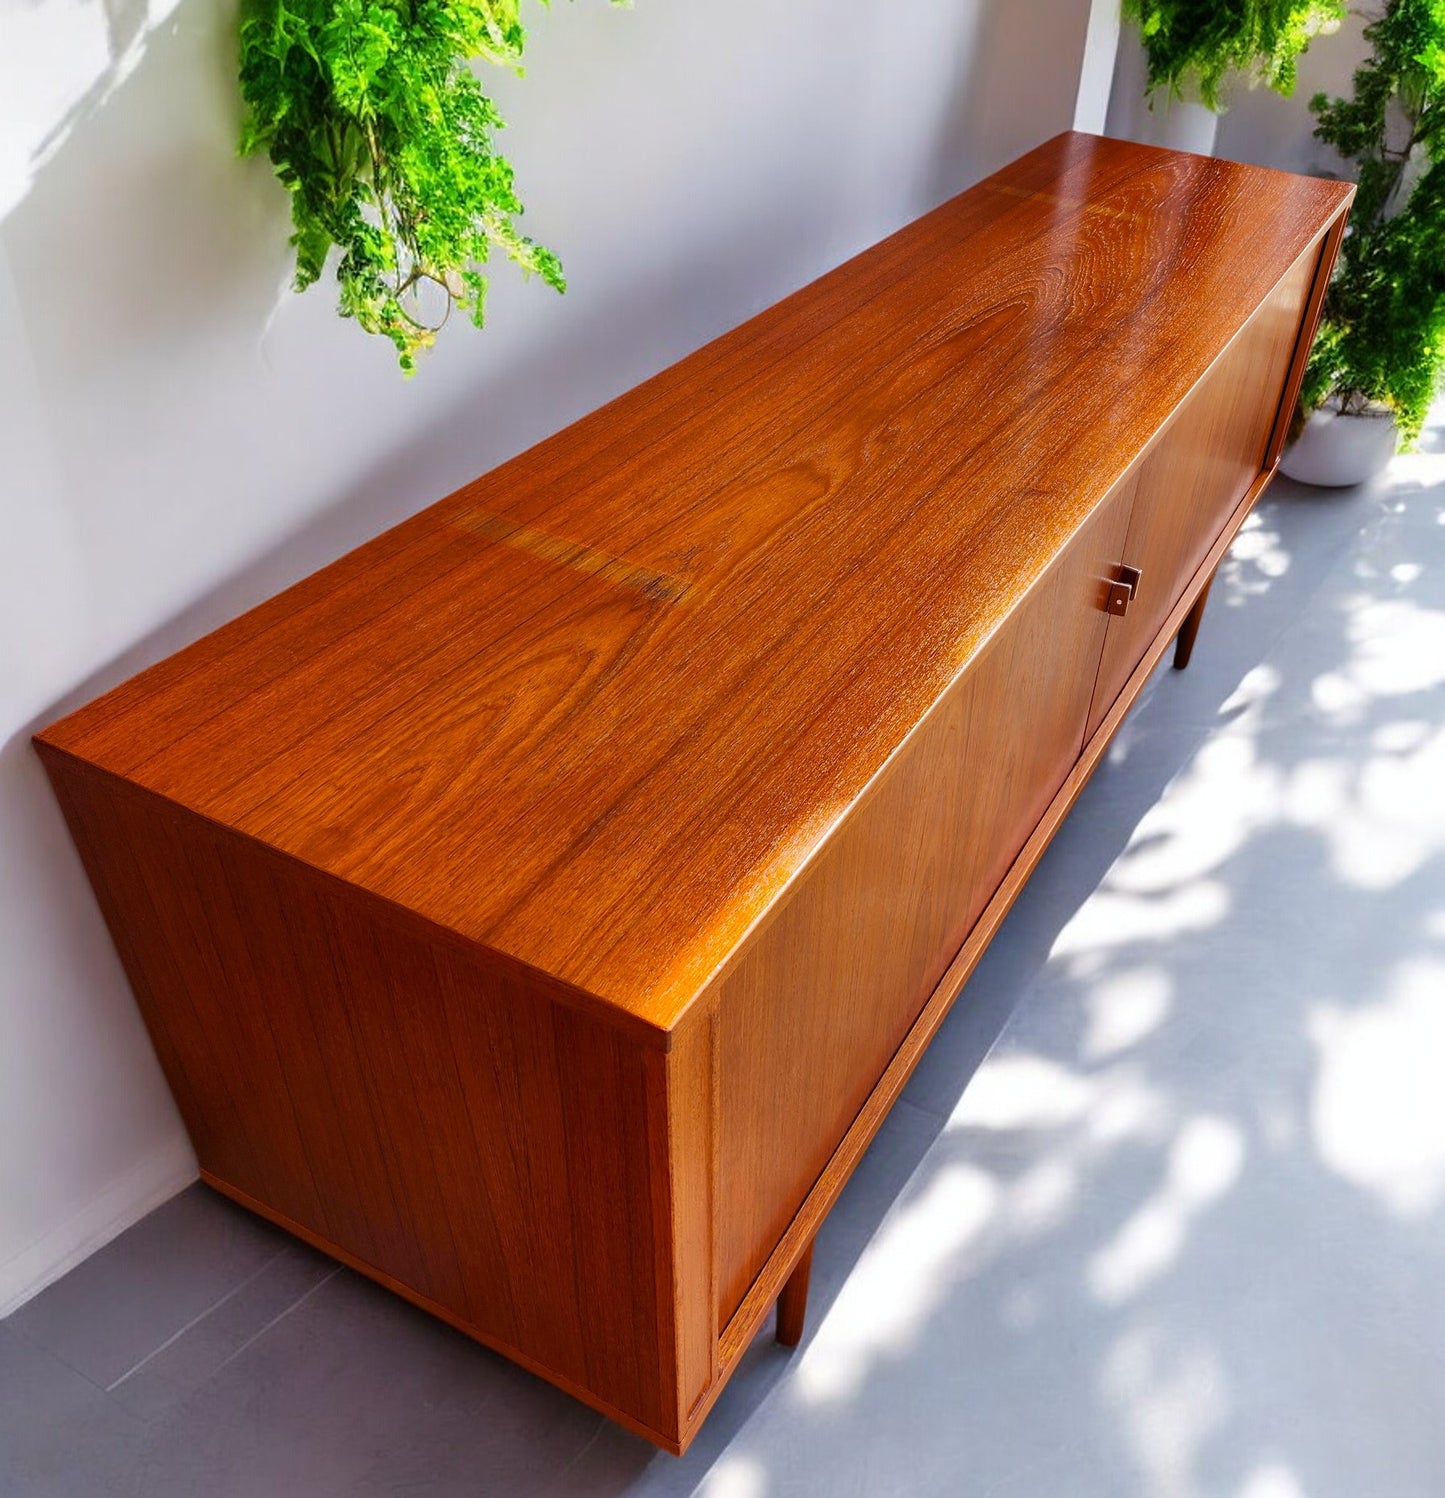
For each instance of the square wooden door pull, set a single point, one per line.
(1121, 592)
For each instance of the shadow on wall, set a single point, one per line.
(189, 280)
(157, 490)
(141, 235)
(1266, 129)
(84, 53)
(191, 289)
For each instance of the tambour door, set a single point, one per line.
(813, 1011)
(1199, 471)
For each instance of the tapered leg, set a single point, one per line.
(1184, 642)
(793, 1302)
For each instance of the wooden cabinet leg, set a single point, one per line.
(793, 1302)
(1184, 641)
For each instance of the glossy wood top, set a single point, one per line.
(596, 709)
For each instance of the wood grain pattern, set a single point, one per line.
(540, 908)
(483, 734)
(518, 1355)
(451, 1130)
(798, 1239)
(1198, 470)
(841, 973)
(685, 1145)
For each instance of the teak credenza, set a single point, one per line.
(540, 907)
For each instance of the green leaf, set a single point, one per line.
(1196, 47)
(1382, 335)
(384, 137)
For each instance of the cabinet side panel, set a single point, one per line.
(393, 1095)
(1199, 470)
(811, 1014)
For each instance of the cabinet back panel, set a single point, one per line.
(811, 1015)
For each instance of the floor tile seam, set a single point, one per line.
(30, 1345)
(196, 1320)
(276, 1320)
(41, 1350)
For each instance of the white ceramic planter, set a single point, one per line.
(1336, 450)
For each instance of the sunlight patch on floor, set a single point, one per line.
(1205, 1161)
(1399, 646)
(903, 1276)
(965, 1217)
(1124, 1009)
(1043, 1196)
(1159, 888)
(1252, 563)
(1258, 546)
(1272, 1480)
(1423, 469)
(1382, 819)
(734, 1476)
(1245, 703)
(1208, 814)
(1169, 1400)
(1117, 918)
(1022, 1091)
(1378, 1110)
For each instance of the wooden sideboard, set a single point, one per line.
(540, 907)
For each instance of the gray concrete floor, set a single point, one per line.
(1162, 1212)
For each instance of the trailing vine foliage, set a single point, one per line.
(1382, 336)
(376, 124)
(1194, 46)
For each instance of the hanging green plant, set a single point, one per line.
(1195, 46)
(376, 124)
(1382, 337)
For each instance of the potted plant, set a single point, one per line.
(375, 122)
(1379, 358)
(1192, 48)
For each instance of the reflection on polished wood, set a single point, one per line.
(538, 907)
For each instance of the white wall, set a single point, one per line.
(1155, 119)
(182, 437)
